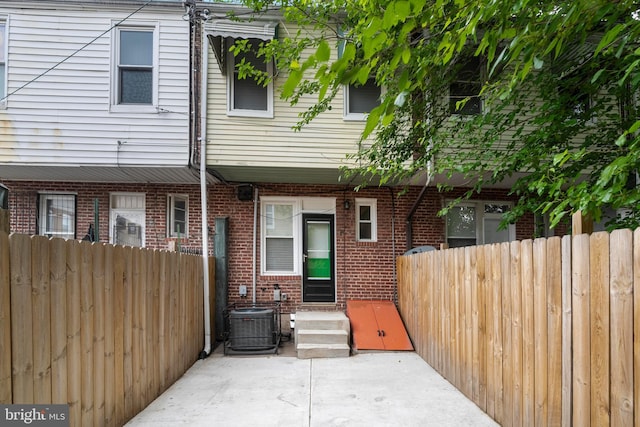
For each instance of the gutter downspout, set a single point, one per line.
(414, 208)
(203, 195)
(255, 247)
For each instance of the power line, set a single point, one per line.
(76, 52)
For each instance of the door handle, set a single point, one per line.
(304, 257)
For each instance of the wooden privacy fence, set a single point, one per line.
(103, 328)
(536, 333)
(4, 220)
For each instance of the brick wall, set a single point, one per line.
(365, 270)
(23, 201)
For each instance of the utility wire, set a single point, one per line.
(76, 52)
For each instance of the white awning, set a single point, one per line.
(220, 30)
(242, 30)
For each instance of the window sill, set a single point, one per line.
(136, 109)
(355, 117)
(250, 113)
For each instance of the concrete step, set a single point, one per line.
(321, 320)
(323, 336)
(311, 351)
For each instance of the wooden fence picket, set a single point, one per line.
(530, 330)
(90, 324)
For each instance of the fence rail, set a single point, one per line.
(103, 328)
(535, 332)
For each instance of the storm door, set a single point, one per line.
(318, 258)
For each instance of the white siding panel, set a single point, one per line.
(62, 114)
(245, 141)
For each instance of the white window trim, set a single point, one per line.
(373, 204)
(171, 198)
(42, 214)
(115, 51)
(297, 234)
(479, 206)
(268, 113)
(354, 117)
(5, 80)
(113, 210)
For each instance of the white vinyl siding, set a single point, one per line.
(3, 61)
(251, 141)
(63, 113)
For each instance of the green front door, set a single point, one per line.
(318, 271)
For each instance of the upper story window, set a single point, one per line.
(477, 223)
(3, 62)
(464, 91)
(359, 100)
(366, 220)
(576, 102)
(245, 95)
(57, 215)
(135, 74)
(178, 215)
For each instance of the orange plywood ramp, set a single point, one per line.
(376, 325)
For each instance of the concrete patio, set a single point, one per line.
(366, 389)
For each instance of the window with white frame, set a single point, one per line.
(464, 91)
(135, 59)
(477, 223)
(575, 101)
(3, 62)
(127, 219)
(57, 215)
(366, 220)
(245, 95)
(178, 215)
(359, 100)
(280, 225)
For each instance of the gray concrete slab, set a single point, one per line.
(366, 389)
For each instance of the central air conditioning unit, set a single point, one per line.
(252, 329)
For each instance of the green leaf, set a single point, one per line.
(323, 52)
(608, 38)
(289, 86)
(597, 75)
